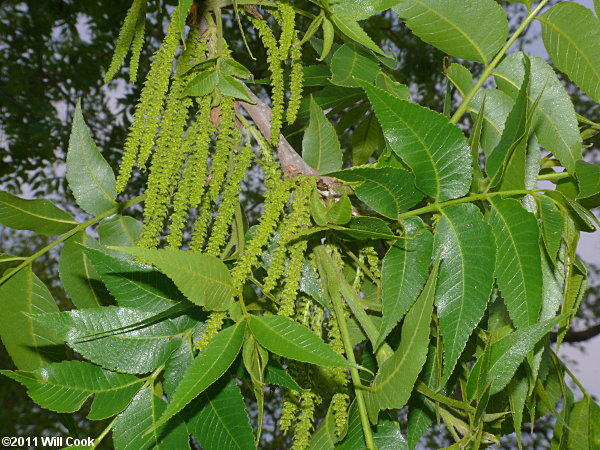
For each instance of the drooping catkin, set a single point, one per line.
(136, 12)
(147, 113)
(213, 326)
(230, 200)
(191, 187)
(296, 80)
(287, 17)
(292, 280)
(304, 424)
(225, 142)
(136, 45)
(169, 154)
(277, 79)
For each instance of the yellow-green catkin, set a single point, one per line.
(147, 113)
(205, 213)
(230, 200)
(289, 409)
(213, 326)
(126, 35)
(169, 154)
(304, 424)
(191, 187)
(339, 405)
(292, 280)
(277, 79)
(296, 80)
(298, 218)
(136, 45)
(225, 140)
(275, 200)
(373, 261)
(287, 17)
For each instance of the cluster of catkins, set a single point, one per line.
(197, 153)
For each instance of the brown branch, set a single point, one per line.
(573, 336)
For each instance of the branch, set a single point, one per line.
(579, 336)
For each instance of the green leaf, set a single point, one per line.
(394, 382)
(232, 88)
(507, 353)
(29, 345)
(330, 97)
(466, 245)
(41, 216)
(132, 428)
(176, 366)
(207, 367)
(78, 275)
(64, 386)
(133, 284)
(340, 212)
(475, 30)
(360, 9)
(139, 350)
(460, 77)
(203, 84)
(518, 391)
(399, 90)
(552, 223)
(403, 274)
(184, 9)
(90, 177)
(231, 67)
(328, 35)
(515, 131)
(348, 25)
(518, 260)
(351, 63)
(421, 412)
(554, 120)
(365, 139)
(203, 279)
(324, 437)
(386, 434)
(387, 190)
(311, 285)
(365, 227)
(571, 34)
(588, 176)
(277, 375)
(219, 419)
(320, 145)
(121, 231)
(287, 338)
(316, 75)
(497, 107)
(579, 215)
(574, 289)
(436, 151)
(584, 421)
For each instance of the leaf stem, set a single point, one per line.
(336, 300)
(488, 70)
(425, 390)
(64, 237)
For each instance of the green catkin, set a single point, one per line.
(289, 409)
(127, 33)
(292, 281)
(287, 18)
(304, 424)
(169, 155)
(136, 45)
(229, 201)
(275, 200)
(316, 320)
(339, 405)
(373, 261)
(277, 79)
(225, 142)
(147, 113)
(213, 326)
(191, 187)
(296, 81)
(298, 218)
(205, 213)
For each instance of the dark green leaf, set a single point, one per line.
(403, 274)
(320, 145)
(277, 375)
(466, 245)
(203, 279)
(139, 350)
(552, 223)
(421, 412)
(118, 230)
(64, 386)
(497, 107)
(518, 260)
(351, 63)
(435, 150)
(207, 367)
(571, 33)
(90, 177)
(386, 434)
(584, 421)
(203, 84)
(29, 345)
(289, 339)
(388, 190)
(340, 212)
(176, 366)
(394, 382)
(473, 31)
(365, 139)
(348, 25)
(219, 419)
(460, 77)
(41, 216)
(132, 428)
(588, 176)
(78, 275)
